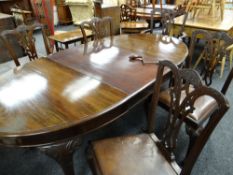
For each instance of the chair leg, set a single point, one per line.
(231, 57)
(222, 66)
(198, 60)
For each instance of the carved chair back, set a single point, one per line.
(167, 20)
(127, 13)
(223, 44)
(182, 81)
(100, 27)
(207, 54)
(24, 36)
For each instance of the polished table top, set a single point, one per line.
(206, 22)
(112, 64)
(134, 25)
(76, 91)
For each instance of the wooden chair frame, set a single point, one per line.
(176, 118)
(100, 27)
(24, 36)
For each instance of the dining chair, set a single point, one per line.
(206, 53)
(203, 107)
(23, 34)
(129, 22)
(224, 49)
(100, 27)
(146, 153)
(220, 48)
(167, 21)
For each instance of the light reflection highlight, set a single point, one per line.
(22, 89)
(168, 47)
(104, 56)
(80, 88)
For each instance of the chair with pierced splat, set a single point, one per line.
(23, 34)
(146, 153)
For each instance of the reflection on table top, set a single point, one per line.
(43, 101)
(205, 22)
(69, 36)
(112, 65)
(43, 96)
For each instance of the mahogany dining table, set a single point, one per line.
(50, 102)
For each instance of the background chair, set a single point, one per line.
(206, 53)
(217, 50)
(223, 47)
(145, 153)
(167, 21)
(23, 34)
(100, 27)
(129, 22)
(203, 107)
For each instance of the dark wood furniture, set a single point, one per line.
(21, 16)
(227, 83)
(68, 37)
(94, 88)
(129, 23)
(167, 21)
(100, 28)
(23, 35)
(6, 5)
(63, 11)
(146, 153)
(145, 13)
(7, 23)
(206, 54)
(222, 50)
(133, 26)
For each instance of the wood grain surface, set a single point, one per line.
(43, 96)
(111, 63)
(80, 89)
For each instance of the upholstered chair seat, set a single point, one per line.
(121, 151)
(203, 106)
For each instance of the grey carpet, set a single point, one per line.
(215, 159)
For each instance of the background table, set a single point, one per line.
(68, 37)
(206, 23)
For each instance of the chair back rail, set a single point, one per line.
(100, 27)
(24, 36)
(179, 109)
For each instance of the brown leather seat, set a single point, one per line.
(204, 106)
(133, 155)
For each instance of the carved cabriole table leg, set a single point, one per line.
(62, 153)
